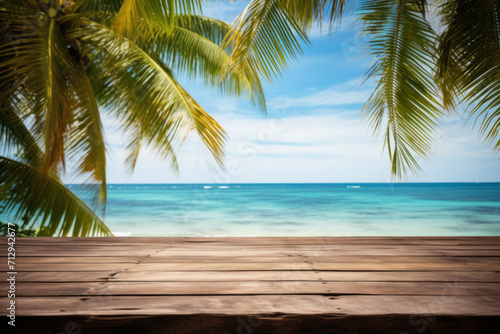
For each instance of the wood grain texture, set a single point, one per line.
(108, 304)
(202, 287)
(268, 275)
(256, 285)
(299, 265)
(244, 259)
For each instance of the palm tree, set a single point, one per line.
(423, 71)
(64, 62)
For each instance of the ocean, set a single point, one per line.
(354, 209)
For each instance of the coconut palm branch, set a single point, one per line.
(64, 62)
(418, 73)
(39, 199)
(406, 98)
(271, 31)
(15, 137)
(469, 66)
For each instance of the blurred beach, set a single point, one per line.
(418, 209)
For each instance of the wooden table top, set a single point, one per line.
(255, 285)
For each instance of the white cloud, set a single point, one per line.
(325, 142)
(270, 150)
(318, 147)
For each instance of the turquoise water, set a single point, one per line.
(304, 209)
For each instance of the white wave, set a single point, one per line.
(207, 187)
(224, 187)
(353, 186)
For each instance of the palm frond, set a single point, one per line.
(193, 49)
(86, 142)
(468, 66)
(406, 97)
(142, 91)
(268, 33)
(208, 27)
(163, 12)
(95, 6)
(43, 201)
(134, 148)
(310, 12)
(41, 64)
(15, 137)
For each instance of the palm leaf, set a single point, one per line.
(468, 66)
(405, 96)
(15, 136)
(193, 49)
(268, 33)
(95, 6)
(86, 143)
(310, 12)
(49, 87)
(141, 91)
(41, 64)
(163, 12)
(45, 202)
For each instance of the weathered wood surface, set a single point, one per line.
(256, 285)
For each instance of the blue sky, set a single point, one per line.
(313, 131)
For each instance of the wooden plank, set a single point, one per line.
(269, 248)
(303, 265)
(298, 275)
(284, 304)
(271, 259)
(255, 288)
(245, 253)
